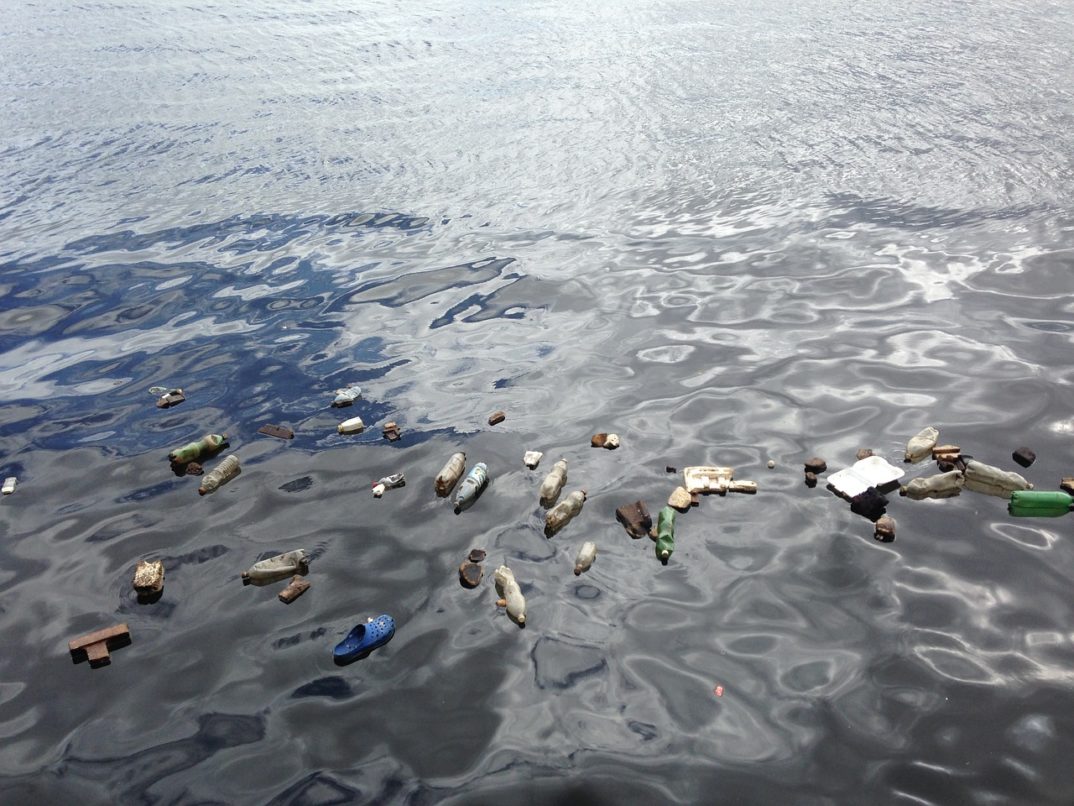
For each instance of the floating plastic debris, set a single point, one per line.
(295, 588)
(665, 534)
(531, 459)
(944, 485)
(157, 391)
(706, 479)
(221, 474)
(352, 426)
(172, 398)
(511, 593)
(470, 574)
(884, 529)
(553, 483)
(1039, 504)
(274, 569)
(635, 519)
(9, 485)
(450, 474)
(1024, 456)
(346, 396)
(391, 431)
(586, 554)
(982, 478)
(280, 431)
(921, 444)
(873, 471)
(388, 483)
(679, 499)
(149, 577)
(208, 445)
(815, 465)
(562, 513)
(471, 487)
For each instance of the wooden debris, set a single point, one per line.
(1024, 456)
(96, 645)
(884, 529)
(281, 431)
(172, 398)
(635, 519)
(815, 465)
(296, 588)
(497, 417)
(470, 574)
(391, 431)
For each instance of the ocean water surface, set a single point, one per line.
(730, 231)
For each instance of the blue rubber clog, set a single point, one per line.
(364, 638)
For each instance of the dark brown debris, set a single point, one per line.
(391, 431)
(815, 465)
(1067, 484)
(1024, 456)
(296, 588)
(95, 646)
(194, 469)
(172, 398)
(470, 574)
(884, 530)
(497, 417)
(476, 555)
(598, 440)
(281, 431)
(864, 453)
(670, 469)
(635, 519)
(810, 479)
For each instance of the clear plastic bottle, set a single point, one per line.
(553, 483)
(507, 587)
(450, 474)
(221, 474)
(471, 487)
(561, 513)
(586, 554)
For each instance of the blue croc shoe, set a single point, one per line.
(364, 638)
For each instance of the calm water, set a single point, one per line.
(728, 231)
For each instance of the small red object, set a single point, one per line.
(718, 691)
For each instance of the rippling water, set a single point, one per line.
(728, 231)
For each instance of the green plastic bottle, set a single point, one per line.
(1039, 504)
(192, 451)
(665, 533)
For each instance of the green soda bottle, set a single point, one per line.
(665, 533)
(1039, 504)
(192, 451)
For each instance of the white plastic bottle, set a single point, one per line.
(982, 478)
(352, 426)
(553, 483)
(921, 444)
(586, 554)
(508, 588)
(450, 474)
(561, 513)
(942, 485)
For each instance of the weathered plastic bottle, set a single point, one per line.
(276, 568)
(346, 396)
(561, 513)
(508, 588)
(450, 474)
(532, 459)
(553, 483)
(1039, 504)
(192, 451)
(921, 444)
(665, 533)
(942, 485)
(471, 486)
(982, 478)
(221, 474)
(586, 554)
(352, 426)
(388, 482)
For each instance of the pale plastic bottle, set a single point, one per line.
(508, 588)
(586, 554)
(982, 478)
(450, 474)
(942, 485)
(471, 486)
(221, 474)
(352, 426)
(553, 483)
(276, 568)
(921, 444)
(561, 513)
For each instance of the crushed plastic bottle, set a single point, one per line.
(921, 444)
(277, 568)
(352, 426)
(586, 554)
(1039, 504)
(982, 478)
(943, 485)
(387, 483)
(553, 483)
(507, 587)
(346, 396)
(450, 474)
(471, 487)
(561, 514)
(665, 534)
(221, 474)
(192, 451)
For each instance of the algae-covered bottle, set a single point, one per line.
(1039, 504)
(450, 474)
(192, 451)
(665, 533)
(471, 486)
(553, 483)
(561, 513)
(221, 474)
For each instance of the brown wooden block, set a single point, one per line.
(1024, 456)
(635, 518)
(173, 398)
(96, 645)
(497, 417)
(391, 431)
(816, 465)
(297, 587)
(281, 431)
(598, 440)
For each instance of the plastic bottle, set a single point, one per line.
(921, 444)
(221, 474)
(665, 533)
(1039, 504)
(388, 482)
(471, 486)
(942, 485)
(982, 478)
(352, 426)
(192, 451)
(449, 475)
(561, 513)
(586, 554)
(346, 396)
(553, 483)
(508, 588)
(532, 459)
(276, 568)
(9, 485)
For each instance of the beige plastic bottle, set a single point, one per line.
(450, 474)
(507, 587)
(221, 474)
(586, 554)
(553, 483)
(943, 485)
(921, 444)
(561, 514)
(982, 478)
